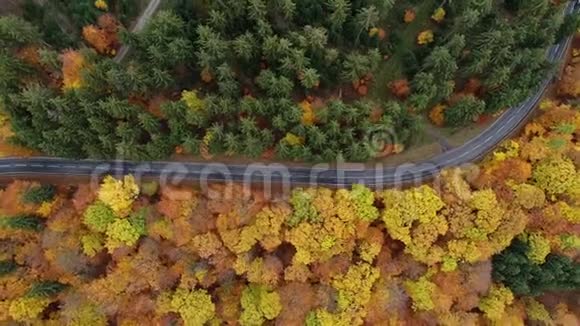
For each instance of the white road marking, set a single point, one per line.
(463, 155)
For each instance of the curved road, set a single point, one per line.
(322, 174)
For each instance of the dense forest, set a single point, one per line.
(286, 79)
(497, 244)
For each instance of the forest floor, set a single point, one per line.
(436, 141)
(391, 69)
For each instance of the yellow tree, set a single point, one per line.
(355, 289)
(331, 224)
(481, 227)
(494, 304)
(265, 229)
(27, 309)
(119, 194)
(259, 304)
(421, 292)
(412, 217)
(555, 175)
(354, 295)
(195, 307)
(529, 196)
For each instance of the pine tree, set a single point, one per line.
(217, 19)
(456, 44)
(274, 86)
(228, 85)
(164, 42)
(309, 12)
(22, 222)
(310, 78)
(50, 59)
(441, 63)
(287, 8)
(316, 38)
(7, 267)
(339, 13)
(257, 9)
(466, 110)
(15, 31)
(366, 19)
(245, 46)
(498, 77)
(466, 20)
(45, 289)
(425, 89)
(11, 70)
(533, 7)
(148, 122)
(294, 62)
(357, 65)
(39, 194)
(482, 6)
(514, 269)
(570, 25)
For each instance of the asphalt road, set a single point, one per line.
(321, 175)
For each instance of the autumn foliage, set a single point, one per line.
(493, 244)
(437, 115)
(400, 88)
(72, 64)
(103, 36)
(570, 84)
(409, 16)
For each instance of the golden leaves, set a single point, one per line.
(308, 116)
(72, 64)
(103, 37)
(119, 194)
(439, 15)
(425, 37)
(101, 4)
(437, 115)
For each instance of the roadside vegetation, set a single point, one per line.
(286, 79)
(497, 243)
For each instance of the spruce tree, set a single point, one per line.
(45, 289)
(7, 267)
(39, 194)
(22, 222)
(466, 110)
(15, 31)
(514, 269)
